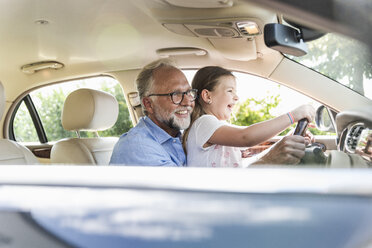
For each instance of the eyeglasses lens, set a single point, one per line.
(177, 97)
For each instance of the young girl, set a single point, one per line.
(212, 142)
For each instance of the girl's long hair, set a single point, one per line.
(205, 78)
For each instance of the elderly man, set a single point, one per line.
(167, 102)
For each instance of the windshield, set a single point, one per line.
(343, 59)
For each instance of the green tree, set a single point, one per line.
(254, 111)
(123, 123)
(49, 107)
(23, 128)
(340, 58)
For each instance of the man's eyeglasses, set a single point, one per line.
(177, 97)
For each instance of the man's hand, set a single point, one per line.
(288, 150)
(309, 137)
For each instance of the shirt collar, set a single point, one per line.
(161, 135)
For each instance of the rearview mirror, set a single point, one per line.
(284, 39)
(307, 34)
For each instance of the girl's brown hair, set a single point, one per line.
(205, 78)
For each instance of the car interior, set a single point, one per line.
(67, 92)
(11, 152)
(91, 115)
(52, 42)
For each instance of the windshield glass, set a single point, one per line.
(343, 59)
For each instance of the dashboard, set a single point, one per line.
(355, 129)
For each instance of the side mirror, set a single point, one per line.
(323, 119)
(284, 39)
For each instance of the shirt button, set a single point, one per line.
(174, 141)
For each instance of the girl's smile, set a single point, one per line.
(223, 98)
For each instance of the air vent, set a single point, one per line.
(210, 31)
(216, 29)
(224, 32)
(201, 4)
(215, 32)
(353, 136)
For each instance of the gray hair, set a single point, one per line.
(145, 78)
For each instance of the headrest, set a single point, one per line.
(89, 110)
(2, 100)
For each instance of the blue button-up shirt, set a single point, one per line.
(148, 144)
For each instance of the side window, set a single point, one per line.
(48, 102)
(23, 127)
(261, 99)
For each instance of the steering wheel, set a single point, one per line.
(314, 153)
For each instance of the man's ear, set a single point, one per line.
(148, 105)
(205, 95)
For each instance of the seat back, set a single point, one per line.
(11, 152)
(87, 110)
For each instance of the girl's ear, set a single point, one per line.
(148, 105)
(206, 95)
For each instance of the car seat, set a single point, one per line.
(87, 110)
(10, 151)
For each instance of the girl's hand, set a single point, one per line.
(304, 111)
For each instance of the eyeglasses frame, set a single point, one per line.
(183, 95)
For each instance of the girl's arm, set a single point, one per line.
(259, 132)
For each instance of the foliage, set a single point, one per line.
(23, 128)
(50, 110)
(256, 110)
(123, 123)
(340, 58)
(253, 111)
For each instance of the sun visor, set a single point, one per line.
(236, 49)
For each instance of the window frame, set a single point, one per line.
(34, 117)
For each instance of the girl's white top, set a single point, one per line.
(214, 155)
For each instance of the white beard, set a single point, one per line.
(171, 120)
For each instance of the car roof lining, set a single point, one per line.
(122, 24)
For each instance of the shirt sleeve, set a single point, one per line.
(205, 127)
(146, 153)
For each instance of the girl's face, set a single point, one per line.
(223, 98)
